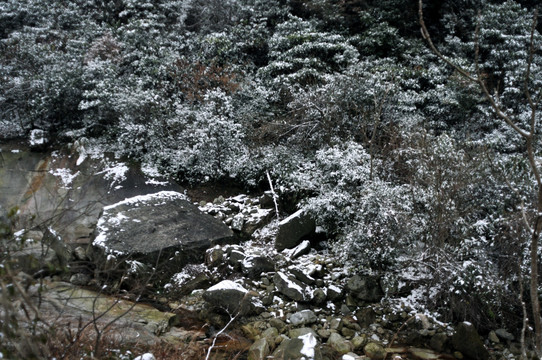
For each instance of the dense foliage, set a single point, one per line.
(402, 162)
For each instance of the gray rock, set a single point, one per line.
(254, 266)
(291, 287)
(277, 324)
(236, 257)
(302, 249)
(375, 351)
(467, 341)
(259, 350)
(301, 276)
(192, 276)
(304, 347)
(334, 293)
(295, 333)
(80, 279)
(180, 232)
(366, 288)
(339, 344)
(214, 256)
(319, 296)
(438, 342)
(303, 317)
(231, 297)
(293, 229)
(505, 335)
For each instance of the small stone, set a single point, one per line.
(324, 333)
(493, 337)
(278, 324)
(505, 335)
(80, 253)
(236, 257)
(259, 350)
(375, 351)
(347, 333)
(295, 333)
(303, 317)
(334, 292)
(359, 341)
(319, 296)
(345, 310)
(339, 344)
(336, 324)
(80, 279)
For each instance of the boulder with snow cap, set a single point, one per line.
(156, 228)
(233, 298)
(293, 229)
(467, 340)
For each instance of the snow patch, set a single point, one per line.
(309, 343)
(65, 176)
(115, 172)
(228, 285)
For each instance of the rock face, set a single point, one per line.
(293, 229)
(72, 189)
(163, 225)
(467, 340)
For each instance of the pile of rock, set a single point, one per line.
(242, 213)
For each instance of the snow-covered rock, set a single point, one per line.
(160, 226)
(233, 298)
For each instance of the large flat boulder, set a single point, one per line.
(163, 226)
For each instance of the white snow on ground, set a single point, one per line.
(146, 356)
(309, 343)
(65, 175)
(116, 173)
(151, 172)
